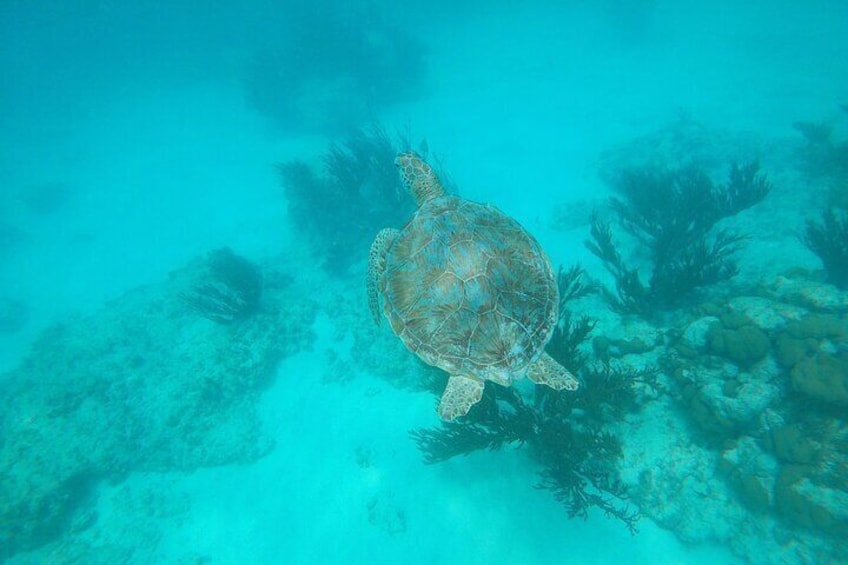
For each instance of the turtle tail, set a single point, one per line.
(419, 177)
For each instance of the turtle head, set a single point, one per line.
(418, 177)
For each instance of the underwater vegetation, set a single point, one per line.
(357, 192)
(332, 68)
(822, 155)
(229, 288)
(828, 238)
(672, 214)
(141, 386)
(565, 433)
(824, 158)
(571, 331)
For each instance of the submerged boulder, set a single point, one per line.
(142, 385)
(823, 377)
(741, 342)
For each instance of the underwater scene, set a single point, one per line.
(423, 282)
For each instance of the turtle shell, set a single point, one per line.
(468, 290)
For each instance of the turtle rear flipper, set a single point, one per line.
(376, 268)
(548, 372)
(460, 395)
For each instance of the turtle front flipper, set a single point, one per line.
(548, 372)
(460, 395)
(376, 268)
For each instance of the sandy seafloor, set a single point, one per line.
(167, 171)
(341, 489)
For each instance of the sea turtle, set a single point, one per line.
(468, 290)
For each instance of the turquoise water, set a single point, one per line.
(190, 371)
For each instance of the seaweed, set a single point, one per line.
(564, 346)
(571, 331)
(500, 418)
(828, 238)
(357, 192)
(576, 456)
(571, 284)
(630, 296)
(822, 156)
(746, 186)
(580, 473)
(672, 214)
(608, 392)
(228, 290)
(825, 158)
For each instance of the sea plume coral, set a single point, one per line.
(356, 192)
(227, 290)
(672, 214)
(828, 238)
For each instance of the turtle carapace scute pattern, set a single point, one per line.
(467, 290)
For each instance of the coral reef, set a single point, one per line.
(672, 214)
(828, 239)
(140, 386)
(811, 489)
(751, 472)
(357, 193)
(358, 63)
(764, 381)
(228, 289)
(738, 339)
(823, 377)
